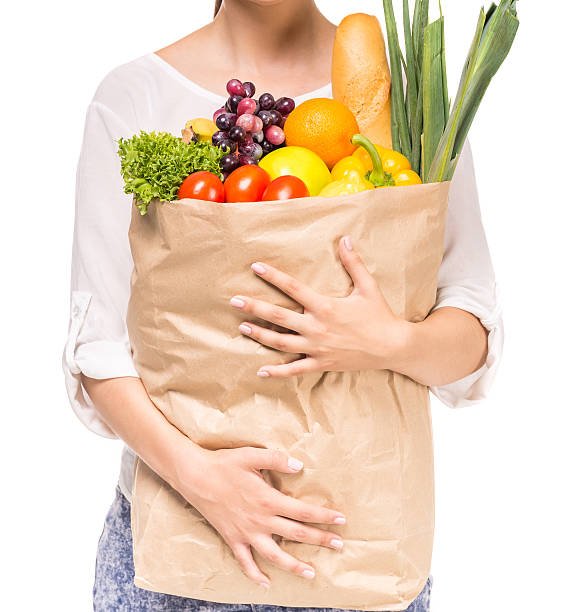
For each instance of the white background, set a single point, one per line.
(503, 536)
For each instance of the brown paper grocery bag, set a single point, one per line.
(365, 437)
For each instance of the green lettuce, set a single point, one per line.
(154, 164)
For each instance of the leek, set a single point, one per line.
(419, 22)
(410, 68)
(423, 128)
(399, 121)
(495, 33)
(435, 104)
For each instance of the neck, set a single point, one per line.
(278, 34)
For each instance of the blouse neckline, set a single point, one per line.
(217, 98)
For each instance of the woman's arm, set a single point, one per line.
(360, 331)
(97, 343)
(466, 281)
(125, 407)
(226, 486)
(447, 346)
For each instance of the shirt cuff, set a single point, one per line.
(475, 387)
(96, 359)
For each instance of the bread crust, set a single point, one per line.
(361, 77)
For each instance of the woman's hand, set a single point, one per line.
(356, 332)
(227, 487)
(360, 331)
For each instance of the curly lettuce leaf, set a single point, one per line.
(154, 164)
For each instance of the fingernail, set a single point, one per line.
(266, 585)
(336, 543)
(294, 464)
(263, 373)
(340, 520)
(308, 573)
(239, 303)
(245, 329)
(258, 268)
(347, 242)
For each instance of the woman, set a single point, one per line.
(284, 46)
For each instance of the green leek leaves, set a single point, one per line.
(423, 127)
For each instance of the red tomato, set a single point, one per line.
(286, 187)
(246, 184)
(202, 185)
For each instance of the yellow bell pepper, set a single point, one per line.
(393, 161)
(406, 177)
(351, 182)
(400, 173)
(347, 164)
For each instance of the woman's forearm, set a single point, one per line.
(448, 345)
(126, 407)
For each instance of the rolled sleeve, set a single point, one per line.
(475, 387)
(97, 359)
(467, 281)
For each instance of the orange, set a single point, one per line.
(324, 126)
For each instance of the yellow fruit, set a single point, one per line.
(203, 128)
(324, 126)
(300, 162)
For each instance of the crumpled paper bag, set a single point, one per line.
(365, 437)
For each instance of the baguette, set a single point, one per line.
(361, 77)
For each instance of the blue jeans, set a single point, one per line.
(115, 591)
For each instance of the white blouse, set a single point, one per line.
(149, 94)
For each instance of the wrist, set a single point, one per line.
(401, 348)
(188, 465)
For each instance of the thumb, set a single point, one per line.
(355, 266)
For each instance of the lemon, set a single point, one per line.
(300, 162)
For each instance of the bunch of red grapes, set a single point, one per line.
(247, 127)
